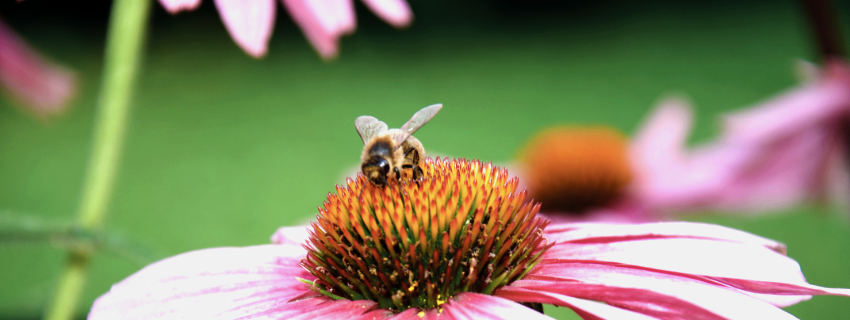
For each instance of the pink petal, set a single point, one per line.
(768, 157)
(586, 309)
(290, 235)
(395, 12)
(340, 309)
(661, 139)
(226, 283)
(249, 22)
(752, 268)
(34, 82)
(323, 22)
(649, 292)
(175, 6)
(604, 233)
(692, 256)
(796, 110)
(473, 306)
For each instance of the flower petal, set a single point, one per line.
(693, 256)
(603, 233)
(762, 273)
(395, 12)
(323, 22)
(661, 139)
(175, 6)
(796, 110)
(223, 283)
(648, 292)
(340, 309)
(249, 22)
(290, 235)
(34, 82)
(585, 308)
(768, 157)
(474, 306)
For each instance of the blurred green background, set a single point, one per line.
(222, 149)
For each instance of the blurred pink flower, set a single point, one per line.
(768, 157)
(250, 22)
(41, 86)
(644, 271)
(774, 155)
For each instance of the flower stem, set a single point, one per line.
(824, 25)
(124, 42)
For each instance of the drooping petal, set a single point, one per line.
(715, 255)
(768, 157)
(650, 293)
(221, 283)
(693, 256)
(661, 139)
(43, 87)
(472, 306)
(323, 22)
(249, 22)
(600, 232)
(290, 235)
(329, 309)
(395, 12)
(827, 99)
(175, 6)
(585, 308)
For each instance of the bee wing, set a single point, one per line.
(368, 127)
(419, 119)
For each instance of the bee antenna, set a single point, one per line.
(361, 192)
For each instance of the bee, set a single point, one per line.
(388, 151)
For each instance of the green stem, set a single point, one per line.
(124, 42)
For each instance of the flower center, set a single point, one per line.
(461, 227)
(573, 169)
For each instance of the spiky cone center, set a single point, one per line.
(573, 169)
(462, 227)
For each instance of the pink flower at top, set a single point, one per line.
(250, 22)
(463, 244)
(41, 86)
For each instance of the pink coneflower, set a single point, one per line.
(767, 157)
(462, 243)
(250, 22)
(41, 86)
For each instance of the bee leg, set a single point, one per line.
(417, 171)
(397, 174)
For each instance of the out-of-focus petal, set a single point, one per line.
(175, 6)
(787, 114)
(249, 22)
(661, 139)
(290, 235)
(395, 12)
(585, 308)
(221, 283)
(43, 87)
(323, 22)
(768, 157)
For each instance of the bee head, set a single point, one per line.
(376, 170)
